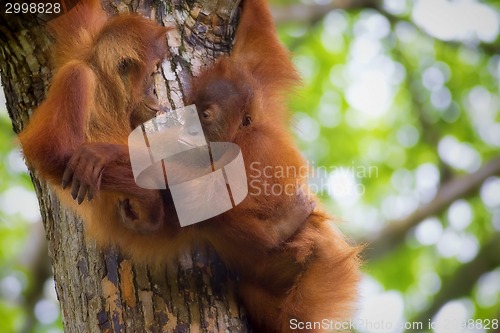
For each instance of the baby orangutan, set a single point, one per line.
(305, 272)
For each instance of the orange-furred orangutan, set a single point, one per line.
(293, 266)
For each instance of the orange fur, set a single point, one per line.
(84, 123)
(292, 264)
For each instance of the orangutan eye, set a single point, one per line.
(247, 120)
(207, 115)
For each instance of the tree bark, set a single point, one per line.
(100, 290)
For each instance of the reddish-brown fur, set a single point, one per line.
(289, 269)
(102, 67)
(291, 262)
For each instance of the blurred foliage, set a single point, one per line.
(380, 90)
(19, 219)
(388, 112)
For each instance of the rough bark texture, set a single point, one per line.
(99, 290)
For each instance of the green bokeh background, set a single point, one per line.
(389, 113)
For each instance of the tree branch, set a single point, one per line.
(312, 13)
(456, 188)
(100, 290)
(304, 13)
(487, 48)
(462, 281)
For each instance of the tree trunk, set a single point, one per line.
(99, 290)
